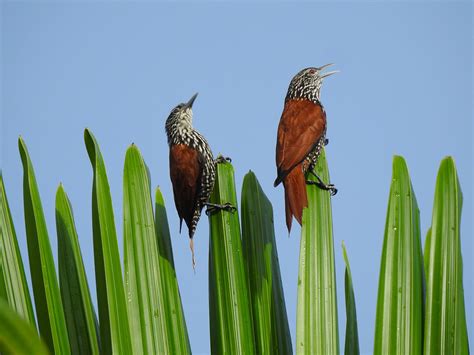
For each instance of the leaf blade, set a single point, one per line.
(399, 316)
(148, 286)
(317, 322)
(445, 325)
(75, 293)
(229, 306)
(271, 330)
(49, 309)
(352, 334)
(17, 335)
(113, 317)
(169, 281)
(15, 287)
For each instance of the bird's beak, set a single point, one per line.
(189, 104)
(329, 72)
(325, 66)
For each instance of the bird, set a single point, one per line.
(192, 169)
(301, 136)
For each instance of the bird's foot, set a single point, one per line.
(332, 189)
(214, 207)
(328, 187)
(222, 160)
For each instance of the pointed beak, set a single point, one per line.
(191, 101)
(325, 66)
(329, 73)
(324, 75)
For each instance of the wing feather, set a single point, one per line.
(302, 124)
(185, 173)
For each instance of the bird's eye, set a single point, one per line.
(312, 71)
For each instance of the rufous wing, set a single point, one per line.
(301, 125)
(185, 173)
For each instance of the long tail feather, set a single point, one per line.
(295, 195)
(191, 246)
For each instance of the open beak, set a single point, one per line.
(324, 75)
(189, 104)
(325, 66)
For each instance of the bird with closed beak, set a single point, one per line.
(192, 168)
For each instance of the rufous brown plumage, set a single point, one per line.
(192, 166)
(300, 138)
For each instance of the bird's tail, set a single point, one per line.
(192, 229)
(191, 246)
(194, 221)
(295, 195)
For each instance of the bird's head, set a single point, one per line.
(183, 113)
(307, 83)
(180, 120)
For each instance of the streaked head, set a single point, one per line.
(307, 83)
(183, 112)
(180, 118)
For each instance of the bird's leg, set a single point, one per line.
(221, 159)
(328, 187)
(214, 207)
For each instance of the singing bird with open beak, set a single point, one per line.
(192, 168)
(300, 138)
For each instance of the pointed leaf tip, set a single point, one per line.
(399, 302)
(133, 148)
(448, 162)
(351, 346)
(114, 327)
(75, 294)
(21, 142)
(91, 144)
(400, 163)
(445, 328)
(344, 252)
(270, 321)
(51, 321)
(22, 145)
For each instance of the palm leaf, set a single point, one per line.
(80, 315)
(316, 318)
(352, 334)
(15, 289)
(17, 335)
(445, 323)
(149, 286)
(113, 319)
(175, 321)
(399, 318)
(270, 322)
(229, 305)
(49, 308)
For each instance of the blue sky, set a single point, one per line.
(405, 88)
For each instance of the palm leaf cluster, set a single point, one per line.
(420, 307)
